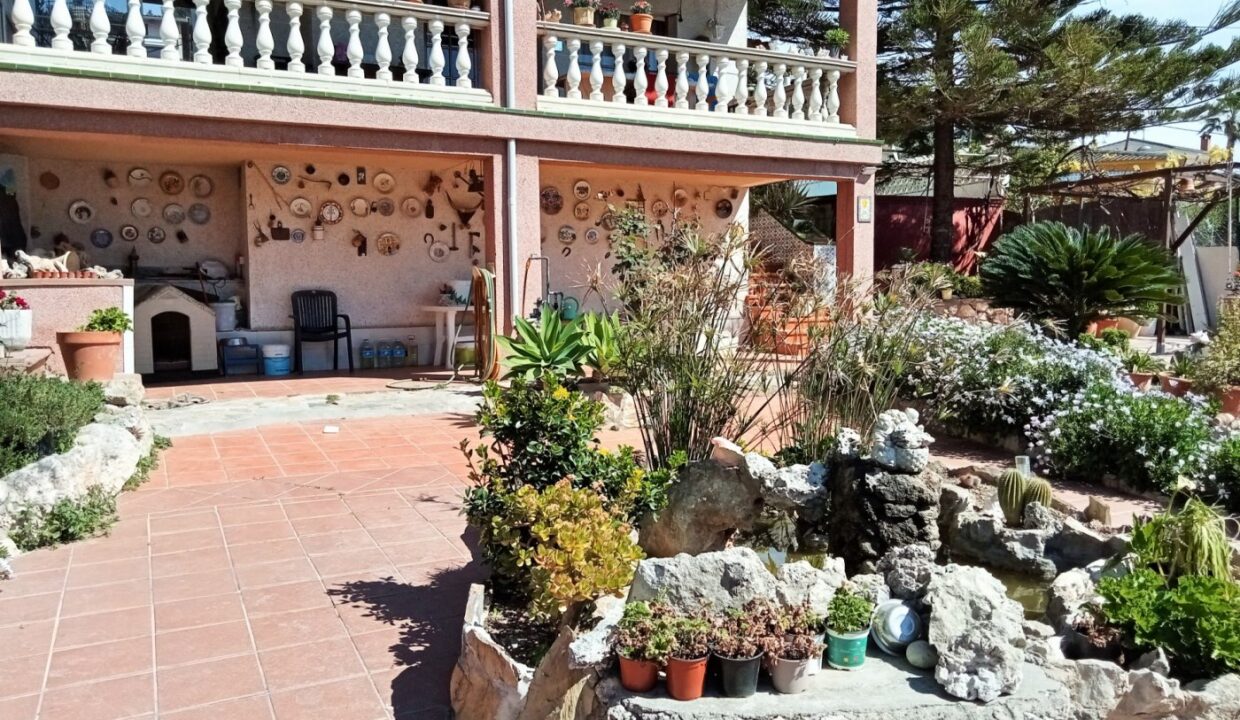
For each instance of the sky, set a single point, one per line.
(1195, 12)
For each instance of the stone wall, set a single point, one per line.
(874, 511)
(973, 310)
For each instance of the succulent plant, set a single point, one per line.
(1017, 490)
(1037, 490)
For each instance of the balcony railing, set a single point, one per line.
(376, 48)
(639, 77)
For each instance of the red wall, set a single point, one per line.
(902, 222)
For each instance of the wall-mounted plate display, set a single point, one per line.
(658, 208)
(140, 207)
(551, 200)
(723, 209)
(49, 180)
(298, 235)
(81, 212)
(411, 206)
(300, 207)
(385, 206)
(592, 235)
(281, 175)
(384, 182)
(343, 179)
(129, 233)
(101, 237)
(331, 212)
(201, 186)
(680, 197)
(581, 211)
(438, 251)
(359, 206)
(199, 214)
(388, 244)
(608, 221)
(174, 214)
(567, 235)
(171, 183)
(140, 177)
(156, 235)
(581, 189)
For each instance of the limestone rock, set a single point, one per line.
(800, 582)
(1041, 643)
(1155, 660)
(592, 648)
(705, 506)
(1040, 517)
(1076, 545)
(1095, 686)
(899, 443)
(873, 511)
(124, 390)
(979, 665)
(908, 570)
(720, 580)
(1217, 699)
(977, 631)
(486, 681)
(982, 536)
(1069, 592)
(870, 586)
(953, 500)
(796, 487)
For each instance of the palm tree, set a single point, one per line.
(1225, 119)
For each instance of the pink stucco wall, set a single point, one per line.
(65, 305)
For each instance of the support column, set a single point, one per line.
(509, 276)
(854, 240)
(859, 90)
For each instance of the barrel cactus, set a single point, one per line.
(1012, 488)
(1037, 490)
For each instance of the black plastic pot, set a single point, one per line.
(739, 678)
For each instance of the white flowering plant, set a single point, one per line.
(1222, 475)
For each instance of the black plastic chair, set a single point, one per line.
(315, 320)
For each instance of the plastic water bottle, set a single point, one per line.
(398, 353)
(368, 355)
(385, 354)
(411, 350)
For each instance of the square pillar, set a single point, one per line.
(859, 90)
(510, 269)
(854, 255)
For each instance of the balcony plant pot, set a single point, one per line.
(738, 677)
(846, 651)
(638, 675)
(1173, 385)
(90, 355)
(462, 4)
(1230, 397)
(1142, 380)
(16, 328)
(1103, 324)
(611, 23)
(641, 23)
(686, 678)
(583, 16)
(791, 676)
(946, 293)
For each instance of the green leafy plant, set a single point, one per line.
(147, 463)
(1135, 361)
(68, 520)
(41, 415)
(1222, 474)
(742, 633)
(641, 7)
(611, 11)
(600, 333)
(1183, 365)
(691, 634)
(552, 346)
(1220, 366)
(968, 286)
(1070, 277)
(933, 276)
(644, 633)
(111, 319)
(836, 38)
(1112, 340)
(1188, 540)
(849, 612)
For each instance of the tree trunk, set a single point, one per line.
(942, 229)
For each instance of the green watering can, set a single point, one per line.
(569, 307)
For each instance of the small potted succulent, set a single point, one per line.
(791, 659)
(91, 352)
(836, 39)
(611, 16)
(641, 17)
(686, 662)
(1141, 367)
(16, 321)
(737, 640)
(642, 643)
(583, 11)
(1176, 381)
(848, 629)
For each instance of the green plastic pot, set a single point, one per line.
(846, 651)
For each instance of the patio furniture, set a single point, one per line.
(446, 334)
(315, 320)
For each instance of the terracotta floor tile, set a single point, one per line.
(190, 561)
(35, 583)
(106, 700)
(22, 676)
(202, 643)
(181, 522)
(296, 627)
(354, 698)
(265, 552)
(381, 649)
(92, 662)
(56, 558)
(299, 457)
(376, 517)
(255, 707)
(181, 614)
(321, 468)
(423, 551)
(443, 572)
(310, 663)
(104, 598)
(202, 584)
(315, 508)
(243, 514)
(188, 540)
(103, 573)
(189, 685)
(277, 573)
(28, 608)
(104, 627)
(257, 472)
(204, 478)
(19, 708)
(283, 598)
(356, 560)
(326, 524)
(397, 534)
(333, 542)
(258, 532)
(251, 460)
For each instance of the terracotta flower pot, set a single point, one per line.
(638, 675)
(1104, 324)
(641, 23)
(1231, 400)
(686, 678)
(1141, 379)
(583, 16)
(1176, 386)
(90, 355)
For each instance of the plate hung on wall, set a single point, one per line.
(199, 214)
(592, 235)
(567, 235)
(171, 183)
(659, 209)
(140, 207)
(723, 209)
(388, 244)
(411, 207)
(330, 212)
(581, 189)
(438, 251)
(201, 186)
(81, 212)
(385, 206)
(281, 175)
(551, 200)
(156, 235)
(359, 206)
(101, 238)
(581, 211)
(49, 180)
(300, 207)
(174, 214)
(298, 235)
(140, 177)
(680, 197)
(384, 182)
(129, 233)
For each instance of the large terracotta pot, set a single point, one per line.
(1172, 385)
(90, 355)
(686, 678)
(638, 675)
(641, 23)
(16, 328)
(1103, 324)
(1231, 400)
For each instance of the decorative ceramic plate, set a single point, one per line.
(331, 212)
(658, 208)
(581, 211)
(384, 182)
(300, 207)
(551, 200)
(201, 186)
(680, 197)
(81, 212)
(388, 244)
(411, 206)
(199, 214)
(567, 235)
(140, 207)
(156, 235)
(101, 238)
(592, 235)
(298, 235)
(608, 221)
(581, 189)
(723, 209)
(140, 177)
(174, 214)
(281, 175)
(171, 183)
(385, 206)
(359, 206)
(438, 251)
(49, 180)
(129, 233)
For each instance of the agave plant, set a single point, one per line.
(551, 346)
(599, 334)
(1068, 277)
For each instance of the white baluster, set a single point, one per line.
(640, 82)
(798, 93)
(463, 64)
(660, 79)
(23, 19)
(619, 79)
(702, 91)
(596, 71)
(62, 23)
(781, 95)
(100, 26)
(742, 87)
(815, 95)
(135, 29)
(682, 80)
(759, 89)
(833, 97)
(263, 41)
(353, 50)
(437, 60)
(232, 36)
(724, 89)
(551, 73)
(296, 46)
(410, 57)
(383, 48)
(572, 76)
(169, 33)
(325, 46)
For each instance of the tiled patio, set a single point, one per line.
(312, 383)
(283, 573)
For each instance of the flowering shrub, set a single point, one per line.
(11, 301)
(1222, 476)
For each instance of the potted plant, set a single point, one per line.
(1141, 367)
(90, 353)
(791, 661)
(16, 321)
(641, 17)
(611, 16)
(737, 640)
(848, 629)
(1176, 381)
(642, 643)
(583, 11)
(836, 39)
(1219, 369)
(686, 661)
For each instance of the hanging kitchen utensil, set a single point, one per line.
(454, 247)
(474, 248)
(280, 202)
(433, 183)
(182, 237)
(281, 174)
(680, 197)
(359, 242)
(310, 169)
(430, 208)
(317, 232)
(566, 251)
(260, 238)
(388, 244)
(608, 220)
(427, 239)
(384, 182)
(466, 214)
(302, 180)
(278, 231)
(551, 200)
(201, 186)
(171, 183)
(361, 175)
(473, 183)
(49, 180)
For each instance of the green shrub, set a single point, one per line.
(147, 463)
(968, 286)
(644, 633)
(66, 521)
(552, 347)
(849, 612)
(600, 335)
(1196, 620)
(1222, 474)
(1111, 340)
(111, 319)
(1188, 540)
(41, 415)
(1220, 366)
(1061, 275)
